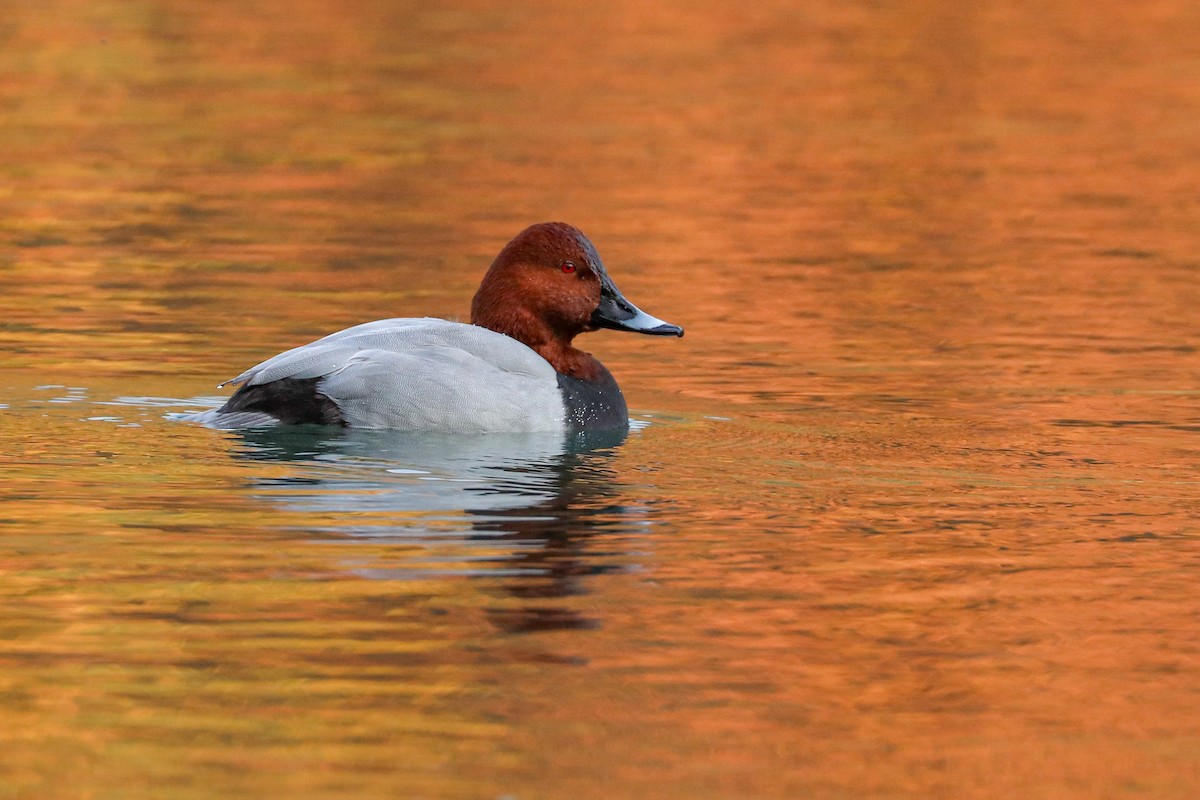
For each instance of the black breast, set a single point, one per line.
(293, 401)
(593, 405)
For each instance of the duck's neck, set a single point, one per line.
(530, 330)
(570, 361)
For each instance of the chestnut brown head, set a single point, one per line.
(550, 284)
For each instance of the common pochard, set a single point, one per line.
(514, 368)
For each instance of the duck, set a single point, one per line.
(514, 368)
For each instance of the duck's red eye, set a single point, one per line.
(568, 266)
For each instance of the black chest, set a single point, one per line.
(593, 405)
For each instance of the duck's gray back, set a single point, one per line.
(421, 374)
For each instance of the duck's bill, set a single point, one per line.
(617, 313)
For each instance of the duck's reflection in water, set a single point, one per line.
(540, 511)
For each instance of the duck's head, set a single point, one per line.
(548, 285)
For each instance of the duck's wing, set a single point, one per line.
(412, 374)
(334, 351)
(444, 389)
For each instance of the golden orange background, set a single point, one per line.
(916, 512)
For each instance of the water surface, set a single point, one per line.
(910, 512)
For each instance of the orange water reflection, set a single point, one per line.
(915, 515)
